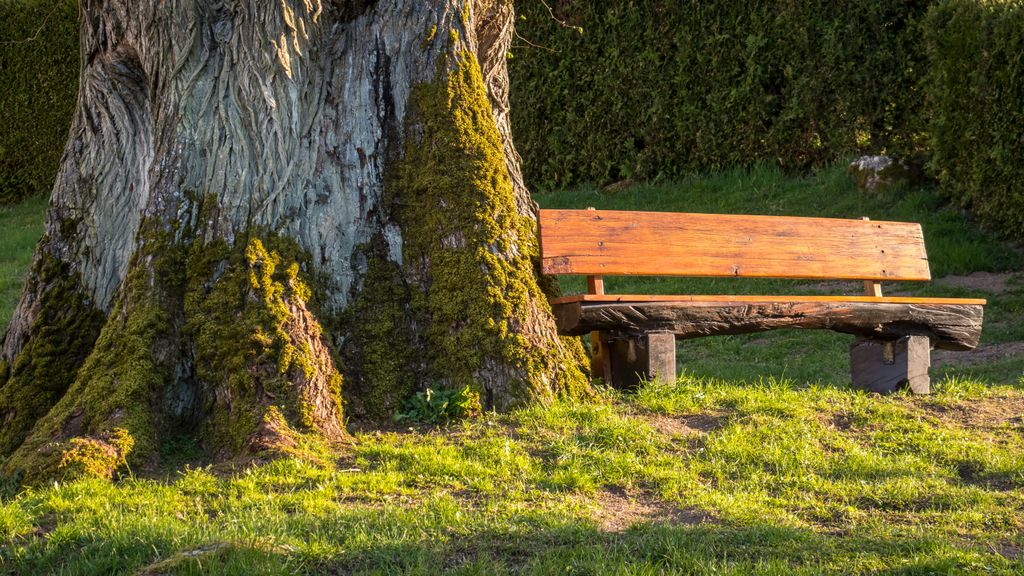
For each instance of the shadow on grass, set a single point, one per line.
(578, 548)
(383, 542)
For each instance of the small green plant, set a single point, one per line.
(179, 451)
(440, 406)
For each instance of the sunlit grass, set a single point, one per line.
(740, 477)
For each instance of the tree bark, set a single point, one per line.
(269, 210)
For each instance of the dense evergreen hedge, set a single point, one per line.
(38, 85)
(655, 88)
(975, 104)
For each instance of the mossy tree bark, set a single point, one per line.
(269, 210)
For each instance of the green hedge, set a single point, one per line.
(660, 88)
(38, 86)
(975, 104)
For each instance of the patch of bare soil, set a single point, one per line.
(1007, 550)
(683, 426)
(46, 524)
(839, 421)
(705, 422)
(618, 509)
(994, 412)
(983, 354)
(991, 282)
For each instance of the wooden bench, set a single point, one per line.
(633, 336)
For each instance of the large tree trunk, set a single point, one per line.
(266, 207)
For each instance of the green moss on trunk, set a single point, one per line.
(64, 330)
(96, 457)
(266, 375)
(120, 382)
(471, 252)
(262, 380)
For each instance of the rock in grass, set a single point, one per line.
(877, 173)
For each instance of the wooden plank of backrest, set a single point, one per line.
(872, 287)
(608, 242)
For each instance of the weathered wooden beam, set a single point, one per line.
(887, 366)
(948, 326)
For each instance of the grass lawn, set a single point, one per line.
(758, 459)
(20, 228)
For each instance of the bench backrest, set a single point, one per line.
(615, 243)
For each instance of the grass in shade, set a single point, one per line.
(20, 228)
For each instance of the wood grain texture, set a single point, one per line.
(948, 326)
(608, 242)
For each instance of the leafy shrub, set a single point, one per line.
(38, 84)
(440, 406)
(661, 88)
(975, 106)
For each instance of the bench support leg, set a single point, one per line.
(886, 366)
(624, 362)
(600, 360)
